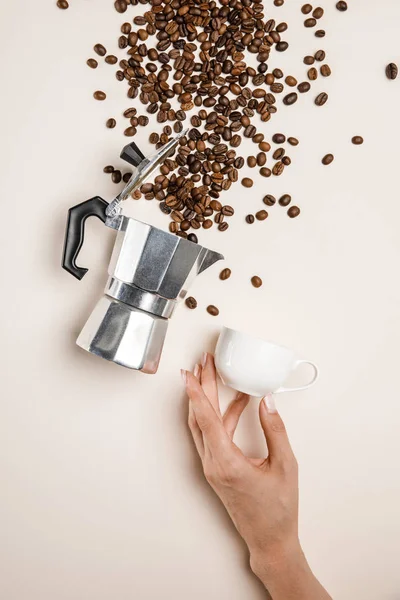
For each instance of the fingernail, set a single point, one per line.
(269, 401)
(239, 396)
(204, 359)
(196, 370)
(183, 373)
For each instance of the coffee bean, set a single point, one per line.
(143, 120)
(92, 63)
(392, 71)
(250, 219)
(281, 46)
(318, 12)
(293, 212)
(269, 200)
(342, 6)
(111, 59)
(225, 274)
(327, 159)
(281, 27)
(126, 177)
(290, 98)
(291, 81)
(261, 215)
(227, 210)
(319, 55)
(279, 138)
(256, 281)
(312, 74)
(100, 49)
(99, 95)
(116, 176)
(212, 310)
(325, 70)
(130, 131)
(279, 2)
(286, 161)
(192, 237)
(309, 60)
(310, 22)
(261, 159)
(120, 6)
(191, 302)
(251, 161)
(357, 140)
(265, 172)
(247, 182)
(207, 224)
(285, 200)
(264, 146)
(321, 99)
(111, 123)
(108, 169)
(304, 87)
(154, 138)
(306, 9)
(293, 141)
(320, 33)
(62, 4)
(279, 152)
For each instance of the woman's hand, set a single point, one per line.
(260, 494)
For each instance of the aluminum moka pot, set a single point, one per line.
(150, 271)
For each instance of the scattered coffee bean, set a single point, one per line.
(111, 59)
(293, 212)
(279, 138)
(320, 33)
(290, 98)
(265, 172)
(191, 302)
(327, 159)
(126, 177)
(100, 49)
(120, 6)
(293, 141)
(310, 22)
(108, 169)
(342, 6)
(116, 176)
(357, 140)
(225, 274)
(92, 63)
(392, 71)
(256, 281)
(261, 215)
(279, 2)
(130, 131)
(99, 95)
(111, 123)
(312, 74)
(309, 60)
(306, 9)
(62, 4)
(212, 310)
(154, 138)
(250, 219)
(304, 87)
(192, 237)
(269, 200)
(318, 12)
(321, 99)
(291, 81)
(285, 200)
(247, 182)
(251, 161)
(325, 70)
(319, 55)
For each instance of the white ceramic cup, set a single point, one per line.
(254, 366)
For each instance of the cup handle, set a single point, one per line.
(303, 387)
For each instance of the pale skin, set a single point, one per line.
(259, 494)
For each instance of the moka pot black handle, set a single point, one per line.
(75, 232)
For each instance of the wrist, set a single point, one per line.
(278, 562)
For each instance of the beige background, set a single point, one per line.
(101, 493)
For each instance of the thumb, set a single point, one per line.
(279, 448)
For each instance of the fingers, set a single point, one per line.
(209, 381)
(279, 448)
(210, 425)
(234, 412)
(195, 431)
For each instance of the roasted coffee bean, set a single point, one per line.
(281, 27)
(264, 146)
(327, 159)
(320, 33)
(278, 73)
(293, 141)
(228, 211)
(225, 274)
(291, 81)
(290, 98)
(108, 169)
(223, 226)
(99, 95)
(111, 59)
(293, 212)
(62, 4)
(154, 138)
(306, 9)
(325, 70)
(120, 6)
(319, 55)
(212, 310)
(92, 63)
(130, 131)
(357, 140)
(207, 224)
(281, 46)
(312, 74)
(192, 237)
(279, 152)
(321, 99)
(279, 2)
(111, 123)
(100, 49)
(251, 161)
(279, 138)
(143, 120)
(286, 161)
(285, 200)
(342, 6)
(318, 12)
(304, 87)
(265, 172)
(310, 22)
(392, 71)
(309, 60)
(256, 281)
(250, 219)
(126, 177)
(191, 302)
(261, 159)
(261, 215)
(247, 182)
(130, 112)
(269, 200)
(116, 176)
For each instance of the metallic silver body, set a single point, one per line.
(150, 270)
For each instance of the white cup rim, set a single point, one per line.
(257, 338)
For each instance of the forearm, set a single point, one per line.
(289, 577)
